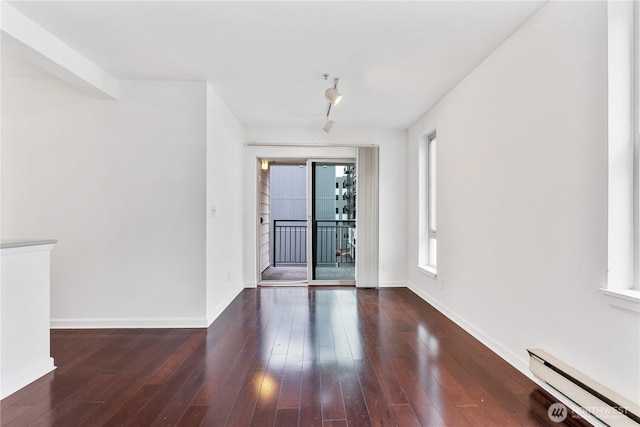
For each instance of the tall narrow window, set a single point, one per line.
(624, 153)
(427, 204)
(635, 109)
(432, 201)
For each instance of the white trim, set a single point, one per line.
(520, 363)
(635, 124)
(24, 378)
(283, 283)
(50, 53)
(426, 234)
(427, 270)
(620, 148)
(627, 299)
(258, 255)
(17, 250)
(250, 284)
(311, 144)
(217, 311)
(123, 323)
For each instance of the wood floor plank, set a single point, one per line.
(355, 406)
(378, 408)
(291, 381)
(269, 391)
(310, 395)
(308, 357)
(220, 408)
(193, 416)
(287, 417)
(131, 407)
(154, 406)
(331, 390)
(405, 416)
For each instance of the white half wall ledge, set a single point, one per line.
(35, 44)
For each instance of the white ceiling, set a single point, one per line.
(266, 59)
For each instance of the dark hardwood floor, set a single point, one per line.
(285, 357)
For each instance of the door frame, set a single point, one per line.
(259, 281)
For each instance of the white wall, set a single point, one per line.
(121, 185)
(522, 190)
(225, 228)
(393, 181)
(522, 207)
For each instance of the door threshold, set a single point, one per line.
(283, 283)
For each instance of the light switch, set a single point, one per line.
(213, 211)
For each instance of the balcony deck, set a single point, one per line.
(299, 274)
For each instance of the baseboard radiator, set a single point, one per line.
(601, 402)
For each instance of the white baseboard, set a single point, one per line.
(217, 311)
(16, 382)
(249, 285)
(520, 363)
(168, 322)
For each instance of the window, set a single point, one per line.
(428, 201)
(635, 110)
(623, 146)
(431, 210)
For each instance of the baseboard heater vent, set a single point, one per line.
(601, 402)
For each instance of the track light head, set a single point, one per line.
(333, 96)
(329, 126)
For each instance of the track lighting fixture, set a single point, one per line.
(332, 94)
(329, 126)
(334, 97)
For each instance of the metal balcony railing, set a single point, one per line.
(335, 242)
(289, 242)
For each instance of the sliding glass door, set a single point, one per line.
(333, 222)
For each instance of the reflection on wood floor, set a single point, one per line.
(285, 357)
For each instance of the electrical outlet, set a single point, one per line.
(228, 276)
(441, 283)
(213, 211)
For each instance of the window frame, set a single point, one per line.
(623, 276)
(432, 201)
(635, 125)
(427, 200)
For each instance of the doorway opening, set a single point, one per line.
(307, 240)
(284, 235)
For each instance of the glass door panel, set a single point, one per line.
(334, 221)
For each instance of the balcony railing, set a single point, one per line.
(335, 242)
(290, 242)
